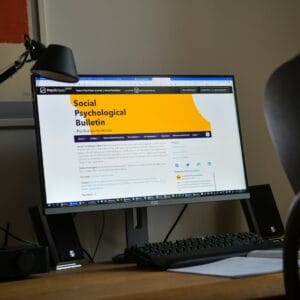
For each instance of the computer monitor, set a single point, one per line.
(115, 142)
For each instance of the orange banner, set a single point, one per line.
(138, 113)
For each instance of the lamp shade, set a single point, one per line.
(57, 63)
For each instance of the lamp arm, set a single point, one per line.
(55, 62)
(18, 64)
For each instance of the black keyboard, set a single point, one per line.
(194, 251)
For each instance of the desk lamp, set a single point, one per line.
(54, 62)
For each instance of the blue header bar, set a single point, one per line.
(143, 136)
(214, 78)
(134, 78)
(148, 78)
(117, 78)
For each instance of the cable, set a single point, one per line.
(74, 215)
(6, 67)
(175, 223)
(92, 257)
(100, 236)
(88, 255)
(7, 233)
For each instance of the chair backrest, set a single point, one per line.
(282, 112)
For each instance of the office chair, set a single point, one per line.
(282, 112)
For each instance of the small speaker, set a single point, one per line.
(65, 237)
(19, 262)
(58, 232)
(261, 212)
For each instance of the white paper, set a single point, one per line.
(236, 267)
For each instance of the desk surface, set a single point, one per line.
(108, 281)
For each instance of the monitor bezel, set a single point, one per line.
(146, 203)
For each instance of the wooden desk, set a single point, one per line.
(108, 281)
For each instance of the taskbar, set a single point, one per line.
(144, 198)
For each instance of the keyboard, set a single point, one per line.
(195, 251)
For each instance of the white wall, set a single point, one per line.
(246, 38)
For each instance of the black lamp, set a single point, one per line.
(54, 62)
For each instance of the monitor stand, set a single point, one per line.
(136, 226)
(136, 221)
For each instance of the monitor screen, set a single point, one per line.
(109, 142)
